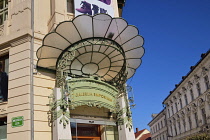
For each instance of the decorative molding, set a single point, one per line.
(21, 40)
(1, 30)
(204, 71)
(196, 78)
(188, 111)
(194, 108)
(184, 90)
(189, 85)
(201, 103)
(62, 112)
(208, 98)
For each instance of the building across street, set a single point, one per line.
(187, 107)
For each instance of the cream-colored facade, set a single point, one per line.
(158, 126)
(187, 107)
(23, 27)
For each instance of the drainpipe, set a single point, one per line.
(32, 71)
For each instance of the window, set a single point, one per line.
(206, 80)
(179, 126)
(171, 131)
(172, 109)
(185, 97)
(4, 65)
(175, 129)
(196, 119)
(168, 113)
(198, 88)
(158, 126)
(180, 100)
(190, 122)
(3, 128)
(161, 124)
(3, 11)
(176, 107)
(203, 115)
(70, 6)
(191, 93)
(184, 125)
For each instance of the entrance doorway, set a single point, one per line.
(86, 132)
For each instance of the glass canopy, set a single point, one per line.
(100, 45)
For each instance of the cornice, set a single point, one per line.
(194, 71)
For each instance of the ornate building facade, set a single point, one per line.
(66, 63)
(158, 126)
(187, 107)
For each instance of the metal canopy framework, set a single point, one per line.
(94, 45)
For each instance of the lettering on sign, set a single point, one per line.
(17, 121)
(93, 94)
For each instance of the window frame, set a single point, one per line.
(206, 81)
(4, 11)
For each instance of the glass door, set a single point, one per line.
(85, 131)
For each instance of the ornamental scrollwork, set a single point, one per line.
(196, 78)
(201, 103)
(194, 108)
(208, 98)
(62, 64)
(204, 71)
(59, 110)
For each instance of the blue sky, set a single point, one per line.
(176, 32)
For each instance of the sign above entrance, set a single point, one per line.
(92, 92)
(93, 7)
(17, 121)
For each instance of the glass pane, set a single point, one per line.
(3, 128)
(1, 19)
(1, 4)
(70, 8)
(6, 3)
(73, 128)
(87, 130)
(5, 16)
(6, 66)
(3, 132)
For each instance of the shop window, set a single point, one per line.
(4, 66)
(82, 131)
(3, 128)
(3, 11)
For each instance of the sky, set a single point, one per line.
(176, 33)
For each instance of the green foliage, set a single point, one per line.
(200, 136)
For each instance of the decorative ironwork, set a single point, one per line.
(59, 109)
(78, 61)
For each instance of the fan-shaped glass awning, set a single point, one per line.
(100, 45)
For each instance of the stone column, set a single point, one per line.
(59, 131)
